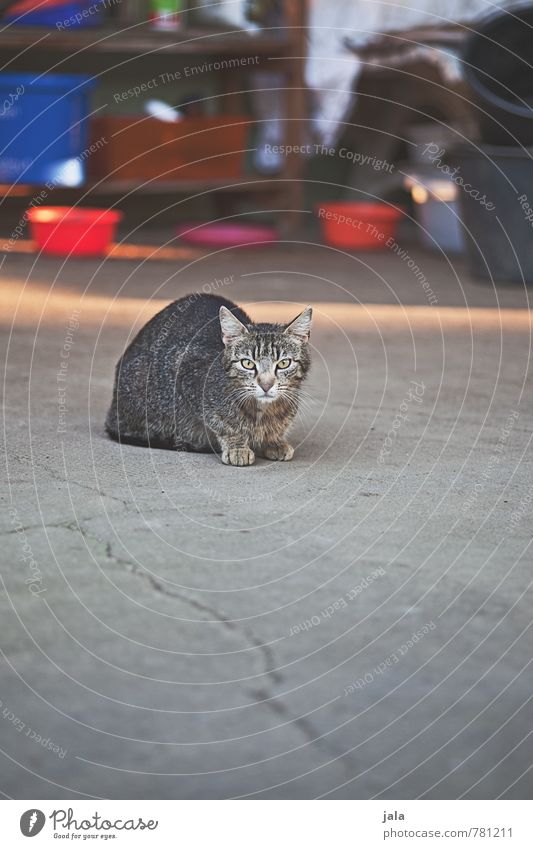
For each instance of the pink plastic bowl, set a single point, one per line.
(222, 235)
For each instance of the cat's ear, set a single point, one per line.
(300, 327)
(232, 328)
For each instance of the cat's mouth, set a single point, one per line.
(266, 397)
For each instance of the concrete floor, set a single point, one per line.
(173, 628)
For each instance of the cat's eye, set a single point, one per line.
(248, 364)
(284, 363)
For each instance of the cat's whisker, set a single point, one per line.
(304, 396)
(240, 397)
(297, 400)
(293, 405)
(304, 404)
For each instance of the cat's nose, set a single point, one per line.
(266, 383)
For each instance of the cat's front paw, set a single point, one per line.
(238, 456)
(281, 451)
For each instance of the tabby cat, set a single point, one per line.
(201, 376)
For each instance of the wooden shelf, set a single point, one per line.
(121, 52)
(139, 39)
(250, 183)
(155, 187)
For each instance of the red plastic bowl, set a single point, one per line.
(222, 235)
(365, 226)
(73, 231)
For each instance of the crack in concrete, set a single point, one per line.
(25, 528)
(68, 525)
(72, 482)
(265, 696)
(307, 729)
(265, 651)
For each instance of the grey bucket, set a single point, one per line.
(499, 240)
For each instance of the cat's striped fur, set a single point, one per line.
(201, 376)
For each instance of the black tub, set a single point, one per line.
(498, 65)
(500, 239)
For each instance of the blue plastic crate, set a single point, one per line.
(44, 128)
